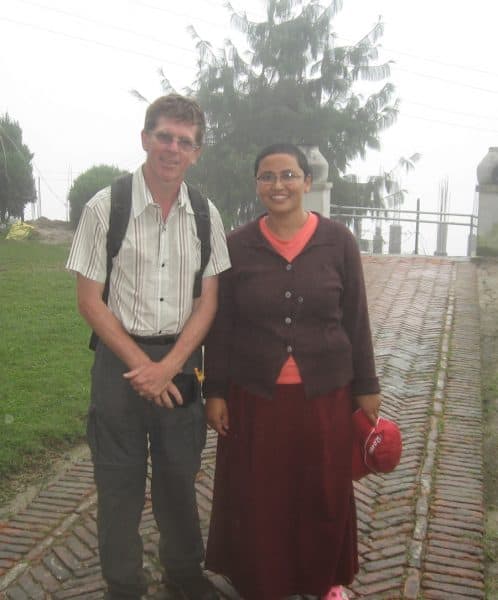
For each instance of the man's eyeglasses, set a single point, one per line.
(270, 178)
(166, 139)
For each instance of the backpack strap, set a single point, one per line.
(119, 216)
(203, 224)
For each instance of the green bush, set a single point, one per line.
(87, 185)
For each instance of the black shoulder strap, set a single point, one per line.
(119, 216)
(203, 224)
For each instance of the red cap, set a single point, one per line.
(375, 449)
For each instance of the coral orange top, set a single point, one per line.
(289, 249)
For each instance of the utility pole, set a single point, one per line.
(69, 185)
(39, 200)
(442, 228)
(417, 226)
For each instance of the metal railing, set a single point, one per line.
(357, 216)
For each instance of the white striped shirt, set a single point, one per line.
(152, 279)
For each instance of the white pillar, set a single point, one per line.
(487, 229)
(318, 199)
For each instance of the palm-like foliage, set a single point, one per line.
(389, 185)
(380, 196)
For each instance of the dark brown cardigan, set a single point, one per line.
(314, 308)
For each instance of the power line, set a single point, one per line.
(445, 64)
(428, 119)
(146, 36)
(449, 110)
(430, 60)
(96, 42)
(250, 15)
(50, 189)
(177, 14)
(452, 82)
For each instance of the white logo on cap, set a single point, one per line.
(375, 442)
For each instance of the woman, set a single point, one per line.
(288, 359)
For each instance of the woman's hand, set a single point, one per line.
(217, 415)
(370, 404)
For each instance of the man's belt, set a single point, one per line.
(155, 340)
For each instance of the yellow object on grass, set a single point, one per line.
(20, 231)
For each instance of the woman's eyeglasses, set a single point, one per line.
(167, 139)
(270, 178)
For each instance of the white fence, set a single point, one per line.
(400, 231)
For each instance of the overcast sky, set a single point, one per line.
(67, 66)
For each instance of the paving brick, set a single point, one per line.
(452, 591)
(29, 524)
(81, 551)
(12, 553)
(6, 563)
(90, 570)
(56, 567)
(86, 536)
(15, 592)
(79, 591)
(31, 587)
(44, 577)
(67, 558)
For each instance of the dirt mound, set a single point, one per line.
(52, 231)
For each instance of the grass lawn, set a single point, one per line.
(44, 359)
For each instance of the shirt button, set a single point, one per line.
(288, 320)
(161, 299)
(289, 349)
(288, 267)
(300, 299)
(163, 265)
(288, 294)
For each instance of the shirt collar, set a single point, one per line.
(141, 196)
(253, 236)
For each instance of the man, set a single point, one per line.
(144, 390)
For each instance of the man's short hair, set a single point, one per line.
(179, 108)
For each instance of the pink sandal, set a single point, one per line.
(336, 593)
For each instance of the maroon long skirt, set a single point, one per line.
(283, 520)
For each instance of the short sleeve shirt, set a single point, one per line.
(152, 279)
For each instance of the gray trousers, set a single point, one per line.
(122, 429)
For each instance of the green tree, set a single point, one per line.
(296, 84)
(17, 186)
(87, 185)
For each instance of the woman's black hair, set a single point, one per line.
(285, 148)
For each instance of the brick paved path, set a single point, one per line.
(420, 528)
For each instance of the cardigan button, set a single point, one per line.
(289, 349)
(300, 299)
(288, 267)
(288, 294)
(288, 320)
